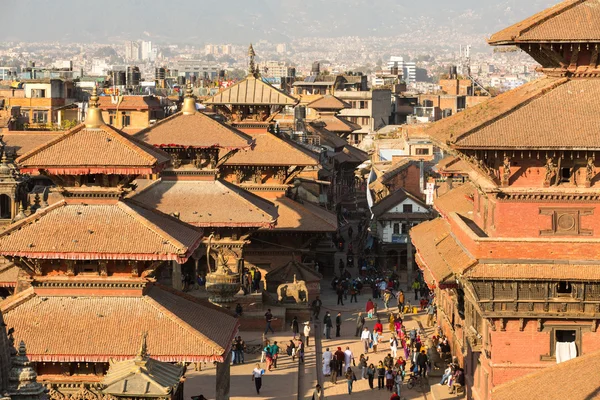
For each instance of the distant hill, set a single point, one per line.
(237, 21)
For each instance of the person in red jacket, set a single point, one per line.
(395, 396)
(369, 308)
(378, 327)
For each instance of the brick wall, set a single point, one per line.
(409, 180)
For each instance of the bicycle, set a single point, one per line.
(415, 380)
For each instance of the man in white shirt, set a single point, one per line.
(306, 332)
(348, 357)
(257, 374)
(365, 338)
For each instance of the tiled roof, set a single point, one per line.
(327, 137)
(209, 203)
(457, 200)
(252, 91)
(285, 273)
(9, 273)
(97, 329)
(273, 150)
(85, 150)
(572, 272)
(328, 102)
(556, 382)
(122, 231)
(306, 217)
(130, 103)
(566, 117)
(337, 124)
(195, 131)
(452, 165)
(568, 21)
(439, 250)
(394, 199)
(23, 142)
(396, 168)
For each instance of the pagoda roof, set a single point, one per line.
(272, 150)
(23, 142)
(566, 117)
(549, 382)
(328, 102)
(303, 217)
(534, 271)
(251, 91)
(438, 251)
(334, 123)
(209, 203)
(458, 200)
(103, 150)
(351, 154)
(117, 231)
(286, 273)
(194, 131)
(139, 377)
(9, 273)
(180, 328)
(569, 21)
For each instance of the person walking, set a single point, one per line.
(268, 319)
(328, 325)
(416, 286)
(353, 293)
(375, 340)
(366, 340)
(350, 378)
(340, 295)
(300, 350)
(317, 393)
(422, 360)
(316, 307)
(274, 353)
(362, 365)
(306, 332)
(327, 356)
(430, 314)
(401, 301)
(360, 324)
(295, 327)
(380, 376)
(348, 358)
(398, 379)
(338, 324)
(369, 308)
(240, 347)
(257, 374)
(394, 345)
(334, 369)
(371, 374)
(340, 356)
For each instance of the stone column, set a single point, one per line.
(223, 378)
(176, 276)
(409, 260)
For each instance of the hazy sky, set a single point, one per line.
(240, 21)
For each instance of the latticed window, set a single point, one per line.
(483, 290)
(532, 291)
(592, 291)
(503, 290)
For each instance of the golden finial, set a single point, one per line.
(143, 352)
(189, 102)
(94, 114)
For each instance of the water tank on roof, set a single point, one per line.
(300, 113)
(316, 68)
(181, 80)
(119, 78)
(133, 76)
(159, 73)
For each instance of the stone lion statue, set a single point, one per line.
(296, 289)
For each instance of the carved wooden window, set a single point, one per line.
(483, 290)
(564, 289)
(592, 292)
(87, 269)
(566, 221)
(532, 291)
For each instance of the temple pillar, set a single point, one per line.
(223, 378)
(409, 260)
(176, 276)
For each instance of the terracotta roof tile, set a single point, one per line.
(573, 272)
(449, 130)
(123, 231)
(104, 150)
(9, 274)
(459, 200)
(336, 124)
(328, 102)
(568, 21)
(23, 142)
(566, 117)
(96, 329)
(439, 251)
(306, 217)
(556, 382)
(195, 131)
(252, 91)
(209, 203)
(452, 165)
(273, 150)
(130, 103)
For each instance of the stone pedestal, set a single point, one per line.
(176, 276)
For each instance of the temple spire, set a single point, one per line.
(189, 102)
(93, 118)
(251, 65)
(142, 354)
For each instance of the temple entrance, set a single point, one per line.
(5, 212)
(188, 275)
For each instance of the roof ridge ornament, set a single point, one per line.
(94, 118)
(252, 67)
(189, 101)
